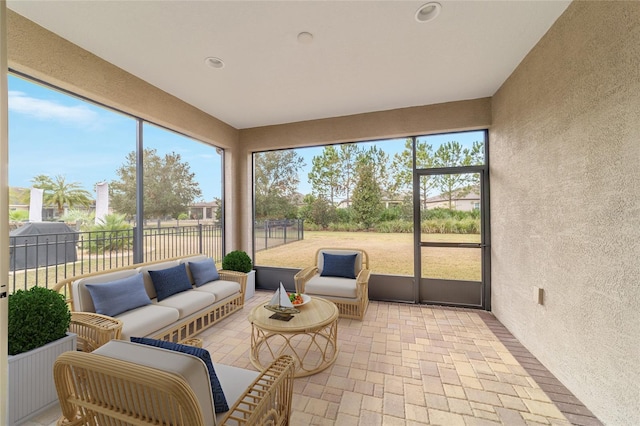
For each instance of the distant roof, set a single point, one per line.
(205, 204)
(469, 196)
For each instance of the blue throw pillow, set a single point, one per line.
(219, 400)
(170, 281)
(339, 265)
(115, 297)
(204, 271)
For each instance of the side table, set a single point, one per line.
(310, 337)
(94, 330)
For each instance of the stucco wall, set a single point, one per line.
(565, 205)
(439, 118)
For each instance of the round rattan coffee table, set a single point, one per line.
(310, 337)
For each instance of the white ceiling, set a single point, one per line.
(365, 55)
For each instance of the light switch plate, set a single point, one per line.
(538, 295)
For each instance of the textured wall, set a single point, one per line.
(440, 118)
(565, 205)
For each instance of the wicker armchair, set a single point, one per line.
(351, 295)
(96, 389)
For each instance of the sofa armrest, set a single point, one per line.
(239, 277)
(303, 276)
(268, 399)
(94, 330)
(362, 281)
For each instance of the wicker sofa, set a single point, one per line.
(175, 318)
(134, 384)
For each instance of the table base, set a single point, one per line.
(312, 351)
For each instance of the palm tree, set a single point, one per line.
(61, 193)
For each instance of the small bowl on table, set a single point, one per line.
(305, 299)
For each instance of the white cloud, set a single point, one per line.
(47, 110)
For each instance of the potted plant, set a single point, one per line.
(38, 322)
(240, 261)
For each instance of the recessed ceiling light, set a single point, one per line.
(428, 12)
(305, 38)
(214, 62)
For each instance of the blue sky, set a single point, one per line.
(52, 133)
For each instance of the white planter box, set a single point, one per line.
(250, 291)
(31, 386)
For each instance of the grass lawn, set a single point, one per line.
(388, 253)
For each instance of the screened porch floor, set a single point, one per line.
(412, 365)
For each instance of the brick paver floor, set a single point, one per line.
(413, 365)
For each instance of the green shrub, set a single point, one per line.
(395, 226)
(309, 226)
(85, 219)
(442, 213)
(110, 235)
(344, 227)
(344, 215)
(183, 216)
(451, 226)
(18, 215)
(36, 317)
(237, 260)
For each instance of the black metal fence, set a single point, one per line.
(45, 259)
(273, 233)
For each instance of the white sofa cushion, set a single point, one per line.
(221, 289)
(189, 367)
(147, 320)
(331, 287)
(188, 302)
(234, 382)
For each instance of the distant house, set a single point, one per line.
(460, 201)
(204, 210)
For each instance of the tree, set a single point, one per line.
(452, 154)
(60, 193)
(169, 185)
(367, 196)
(379, 161)
(325, 174)
(276, 183)
(218, 213)
(334, 172)
(348, 159)
(402, 169)
(322, 212)
(19, 195)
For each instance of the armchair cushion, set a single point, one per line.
(331, 287)
(339, 265)
(170, 281)
(219, 400)
(118, 296)
(203, 272)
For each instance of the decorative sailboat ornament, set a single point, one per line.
(281, 305)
